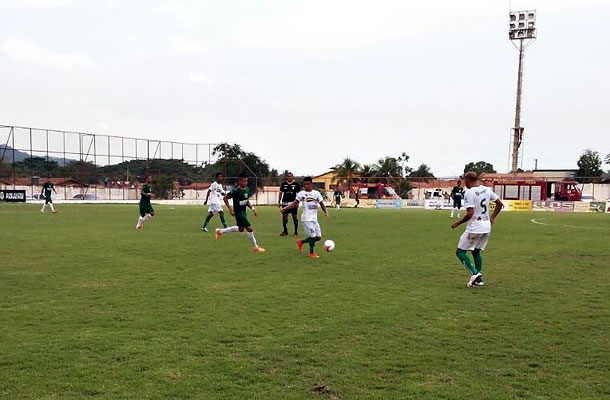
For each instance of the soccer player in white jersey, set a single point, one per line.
(215, 194)
(476, 235)
(312, 200)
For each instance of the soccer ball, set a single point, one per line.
(329, 245)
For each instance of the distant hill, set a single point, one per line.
(7, 151)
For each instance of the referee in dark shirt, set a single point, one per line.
(288, 194)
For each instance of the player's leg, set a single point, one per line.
(458, 206)
(239, 227)
(295, 221)
(466, 244)
(452, 209)
(284, 224)
(221, 214)
(478, 258)
(255, 245)
(51, 205)
(44, 205)
(140, 223)
(210, 215)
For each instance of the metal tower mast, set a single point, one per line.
(522, 28)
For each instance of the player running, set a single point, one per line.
(476, 235)
(338, 195)
(288, 193)
(146, 210)
(312, 200)
(47, 189)
(215, 192)
(457, 193)
(240, 197)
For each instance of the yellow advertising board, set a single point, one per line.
(514, 205)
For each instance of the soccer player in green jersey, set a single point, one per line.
(338, 195)
(47, 189)
(146, 210)
(240, 196)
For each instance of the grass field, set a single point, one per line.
(92, 308)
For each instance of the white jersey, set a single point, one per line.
(310, 202)
(216, 193)
(479, 198)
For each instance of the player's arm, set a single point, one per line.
(41, 190)
(294, 204)
(54, 190)
(226, 200)
(279, 200)
(499, 206)
(465, 218)
(207, 196)
(251, 207)
(323, 207)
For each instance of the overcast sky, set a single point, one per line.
(306, 83)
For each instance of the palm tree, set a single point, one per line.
(389, 167)
(367, 171)
(346, 171)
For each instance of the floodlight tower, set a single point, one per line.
(522, 29)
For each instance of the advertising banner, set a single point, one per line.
(413, 203)
(581, 206)
(597, 206)
(12, 196)
(515, 205)
(557, 206)
(434, 204)
(389, 203)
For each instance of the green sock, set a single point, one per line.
(222, 219)
(207, 220)
(463, 257)
(478, 260)
(311, 243)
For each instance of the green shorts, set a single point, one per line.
(48, 200)
(242, 220)
(146, 208)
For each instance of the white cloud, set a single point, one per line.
(201, 79)
(185, 47)
(24, 51)
(35, 3)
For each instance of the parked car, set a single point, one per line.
(86, 196)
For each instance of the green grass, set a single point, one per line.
(92, 308)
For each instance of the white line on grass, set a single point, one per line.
(537, 222)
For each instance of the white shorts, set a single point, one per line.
(312, 228)
(472, 241)
(215, 208)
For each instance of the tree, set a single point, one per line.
(389, 167)
(233, 160)
(346, 171)
(423, 171)
(607, 159)
(480, 167)
(589, 165)
(367, 171)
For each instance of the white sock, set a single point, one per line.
(52, 208)
(452, 210)
(140, 221)
(230, 229)
(43, 207)
(253, 239)
(147, 216)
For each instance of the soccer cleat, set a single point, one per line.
(479, 281)
(139, 227)
(313, 255)
(204, 229)
(284, 234)
(259, 250)
(472, 279)
(300, 245)
(218, 234)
